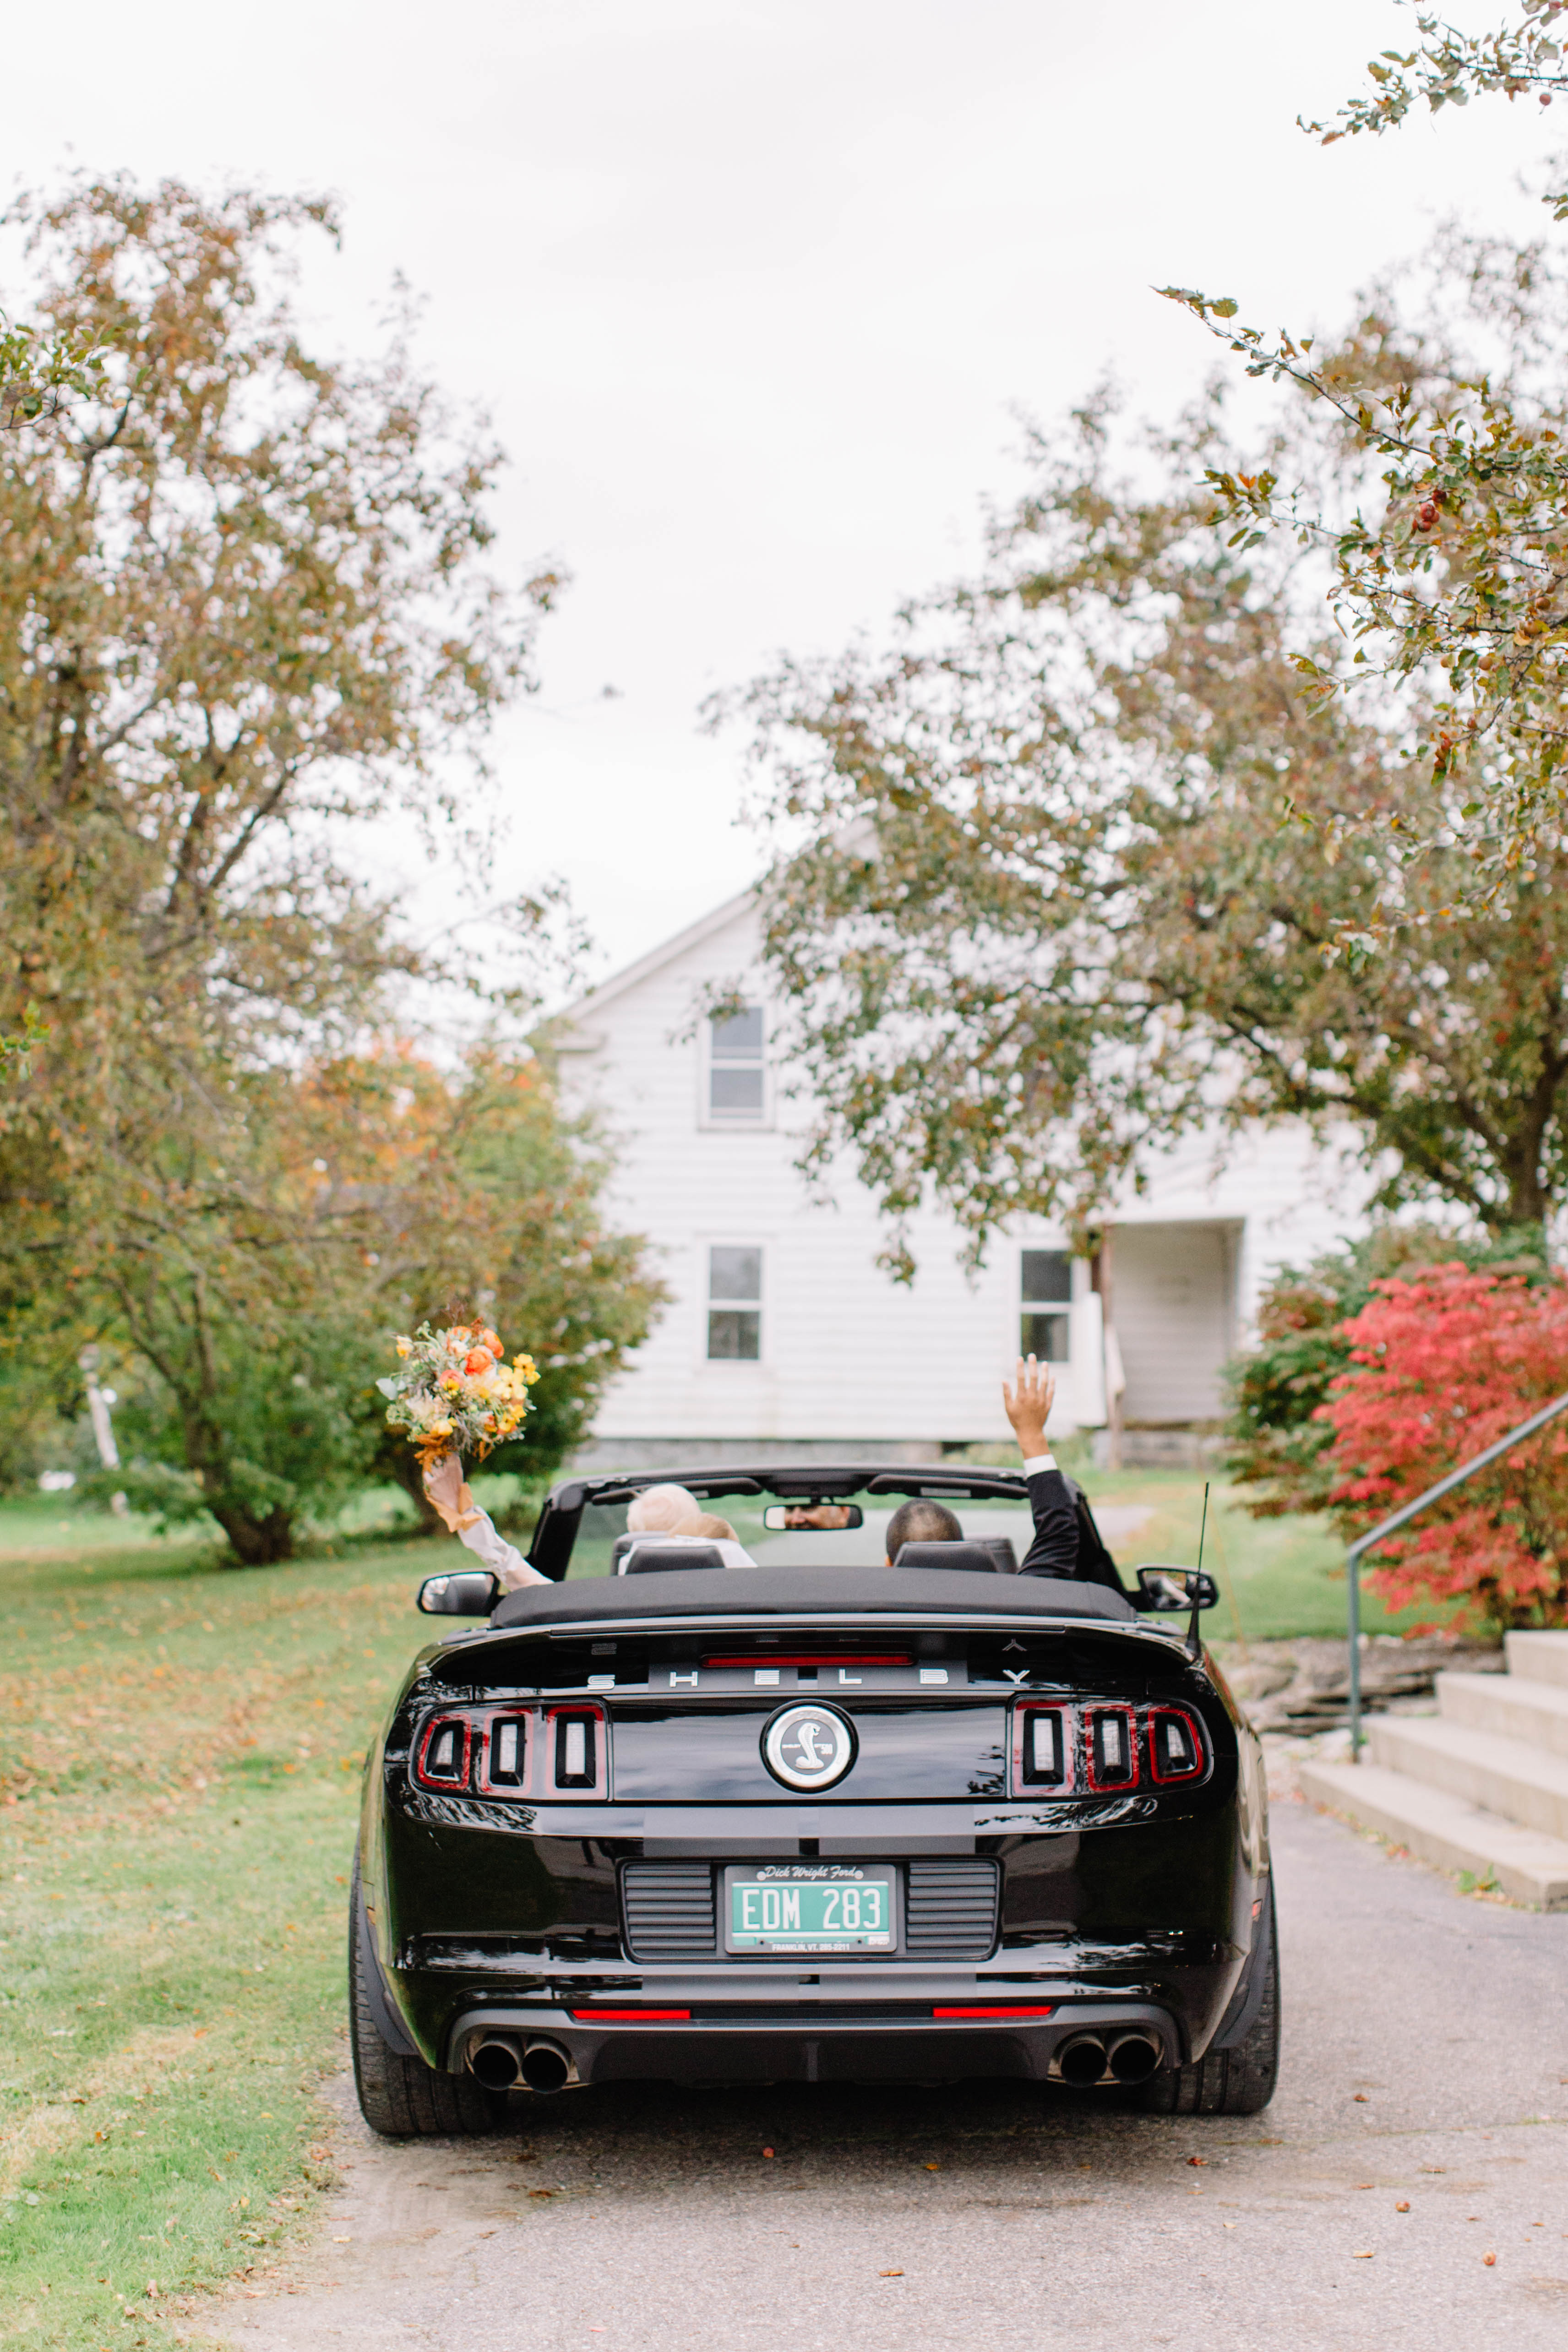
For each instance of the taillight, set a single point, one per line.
(512, 1751)
(576, 1750)
(1113, 1748)
(1042, 1748)
(442, 1758)
(1175, 1744)
(505, 1756)
(1103, 1746)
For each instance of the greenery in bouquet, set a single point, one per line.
(456, 1393)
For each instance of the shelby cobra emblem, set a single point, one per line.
(808, 1747)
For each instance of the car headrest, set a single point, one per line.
(965, 1555)
(647, 1559)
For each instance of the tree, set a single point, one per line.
(1037, 911)
(244, 607)
(1443, 1363)
(1453, 573)
(358, 1197)
(1280, 1440)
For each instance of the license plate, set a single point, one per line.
(810, 1906)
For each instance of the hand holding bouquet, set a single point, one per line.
(456, 1393)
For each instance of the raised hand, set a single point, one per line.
(1028, 1404)
(452, 1501)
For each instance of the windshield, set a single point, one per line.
(862, 1547)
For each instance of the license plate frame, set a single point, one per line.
(809, 1940)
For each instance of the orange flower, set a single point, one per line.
(478, 1361)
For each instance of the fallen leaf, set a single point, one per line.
(1360, 2099)
(1402, 2206)
(1489, 2260)
(541, 2192)
(1364, 2254)
(933, 2168)
(890, 2274)
(1197, 2160)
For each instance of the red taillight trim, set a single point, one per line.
(460, 1783)
(1194, 1732)
(632, 2016)
(1042, 2009)
(800, 1658)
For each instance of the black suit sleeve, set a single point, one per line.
(1054, 1550)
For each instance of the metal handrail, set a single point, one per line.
(1389, 1526)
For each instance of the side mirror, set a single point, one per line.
(782, 1518)
(1176, 1587)
(471, 1593)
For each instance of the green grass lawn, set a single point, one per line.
(179, 1776)
(1276, 1577)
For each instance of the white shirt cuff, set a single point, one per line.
(1038, 1462)
(502, 1560)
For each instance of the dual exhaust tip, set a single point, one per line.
(1089, 2058)
(504, 2062)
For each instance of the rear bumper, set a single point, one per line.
(713, 2046)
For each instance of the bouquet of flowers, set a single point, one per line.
(456, 1393)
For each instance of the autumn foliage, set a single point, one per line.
(1445, 1361)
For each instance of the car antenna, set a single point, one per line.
(1196, 1647)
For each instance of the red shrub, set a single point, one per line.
(1443, 1363)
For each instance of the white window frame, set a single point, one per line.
(712, 1305)
(745, 1122)
(1062, 1308)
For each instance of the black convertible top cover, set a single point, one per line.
(790, 1592)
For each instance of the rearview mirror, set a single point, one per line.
(784, 1518)
(1176, 1587)
(471, 1593)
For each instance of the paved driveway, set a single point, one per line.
(1427, 2064)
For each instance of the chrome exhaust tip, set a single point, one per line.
(1081, 2061)
(1134, 2057)
(546, 2066)
(498, 2062)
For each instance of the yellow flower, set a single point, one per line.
(405, 1347)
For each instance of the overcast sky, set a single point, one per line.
(753, 293)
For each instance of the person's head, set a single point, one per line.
(921, 1522)
(710, 1525)
(661, 1510)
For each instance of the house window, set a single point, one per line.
(736, 1075)
(1044, 1323)
(734, 1304)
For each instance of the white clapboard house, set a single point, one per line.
(784, 1337)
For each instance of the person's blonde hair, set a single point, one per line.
(663, 1511)
(711, 1525)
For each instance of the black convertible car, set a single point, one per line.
(818, 1821)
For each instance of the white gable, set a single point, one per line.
(830, 1353)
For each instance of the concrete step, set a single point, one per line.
(1541, 1657)
(1502, 1776)
(1444, 1830)
(1535, 1713)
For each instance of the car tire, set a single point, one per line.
(399, 2097)
(1237, 2081)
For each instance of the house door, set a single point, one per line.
(1172, 1303)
